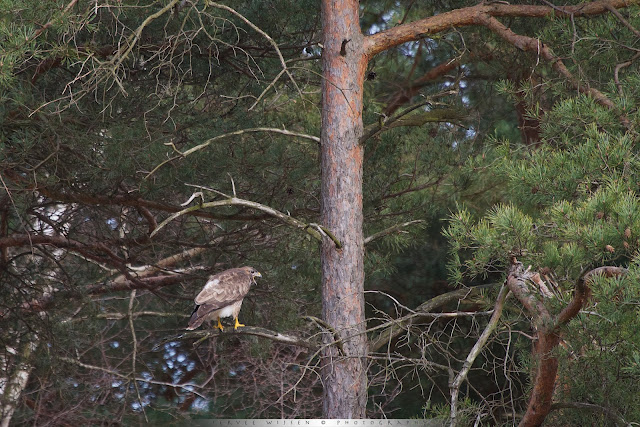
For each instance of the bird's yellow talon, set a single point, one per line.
(222, 296)
(238, 324)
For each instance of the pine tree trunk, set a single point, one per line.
(343, 61)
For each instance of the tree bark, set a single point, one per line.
(343, 68)
(344, 58)
(14, 380)
(547, 329)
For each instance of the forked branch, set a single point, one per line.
(548, 332)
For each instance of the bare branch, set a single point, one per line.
(324, 325)
(395, 327)
(266, 36)
(255, 331)
(124, 51)
(186, 386)
(475, 351)
(234, 201)
(226, 135)
(468, 16)
(390, 230)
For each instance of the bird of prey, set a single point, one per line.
(222, 296)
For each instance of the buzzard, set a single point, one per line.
(222, 296)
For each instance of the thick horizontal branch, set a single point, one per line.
(96, 252)
(149, 283)
(164, 266)
(485, 15)
(49, 301)
(467, 16)
(255, 331)
(102, 254)
(137, 202)
(530, 44)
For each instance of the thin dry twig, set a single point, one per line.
(208, 142)
(263, 34)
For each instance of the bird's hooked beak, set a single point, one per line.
(254, 275)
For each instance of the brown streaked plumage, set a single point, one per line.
(222, 296)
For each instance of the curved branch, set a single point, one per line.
(468, 16)
(255, 331)
(485, 15)
(547, 332)
(422, 311)
(263, 34)
(390, 230)
(582, 291)
(531, 44)
(234, 201)
(208, 142)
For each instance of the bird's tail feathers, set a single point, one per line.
(195, 321)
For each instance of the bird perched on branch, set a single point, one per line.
(222, 296)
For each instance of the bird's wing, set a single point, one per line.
(200, 314)
(225, 288)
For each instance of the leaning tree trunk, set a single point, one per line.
(343, 66)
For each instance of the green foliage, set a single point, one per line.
(83, 122)
(570, 204)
